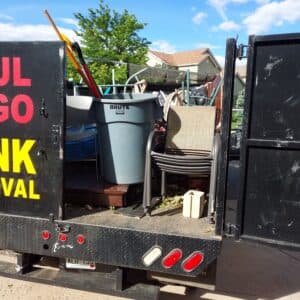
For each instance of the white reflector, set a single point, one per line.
(151, 256)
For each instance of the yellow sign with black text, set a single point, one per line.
(14, 158)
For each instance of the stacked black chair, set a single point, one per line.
(191, 148)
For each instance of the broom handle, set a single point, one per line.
(69, 52)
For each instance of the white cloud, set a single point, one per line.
(221, 60)
(273, 14)
(69, 21)
(198, 18)
(27, 32)
(227, 26)
(239, 1)
(207, 45)
(163, 46)
(220, 6)
(6, 17)
(262, 2)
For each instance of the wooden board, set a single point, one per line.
(82, 187)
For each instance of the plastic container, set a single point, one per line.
(80, 110)
(81, 142)
(81, 131)
(187, 205)
(193, 204)
(124, 123)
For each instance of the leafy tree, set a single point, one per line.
(237, 116)
(239, 101)
(107, 36)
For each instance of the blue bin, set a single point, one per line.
(124, 122)
(81, 132)
(81, 142)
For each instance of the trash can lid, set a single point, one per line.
(128, 98)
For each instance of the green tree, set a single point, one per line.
(237, 116)
(239, 101)
(107, 36)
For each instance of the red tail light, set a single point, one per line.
(172, 258)
(46, 235)
(193, 261)
(63, 237)
(80, 239)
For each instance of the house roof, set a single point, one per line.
(191, 57)
(165, 57)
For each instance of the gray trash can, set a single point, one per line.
(124, 122)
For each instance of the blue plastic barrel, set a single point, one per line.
(81, 142)
(81, 132)
(124, 122)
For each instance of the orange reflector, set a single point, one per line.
(193, 261)
(63, 237)
(80, 239)
(151, 256)
(172, 258)
(46, 235)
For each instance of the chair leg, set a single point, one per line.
(163, 184)
(213, 179)
(146, 187)
(212, 194)
(149, 188)
(147, 193)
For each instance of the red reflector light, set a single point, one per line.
(193, 261)
(45, 235)
(172, 258)
(80, 239)
(62, 237)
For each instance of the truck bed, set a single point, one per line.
(172, 223)
(80, 209)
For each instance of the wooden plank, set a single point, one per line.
(82, 187)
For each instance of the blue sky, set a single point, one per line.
(172, 25)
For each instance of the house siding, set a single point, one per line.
(208, 68)
(204, 68)
(193, 68)
(153, 60)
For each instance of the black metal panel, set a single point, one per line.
(272, 194)
(31, 127)
(229, 76)
(269, 207)
(276, 90)
(107, 245)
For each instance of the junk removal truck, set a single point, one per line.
(85, 180)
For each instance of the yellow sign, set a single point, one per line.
(15, 158)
